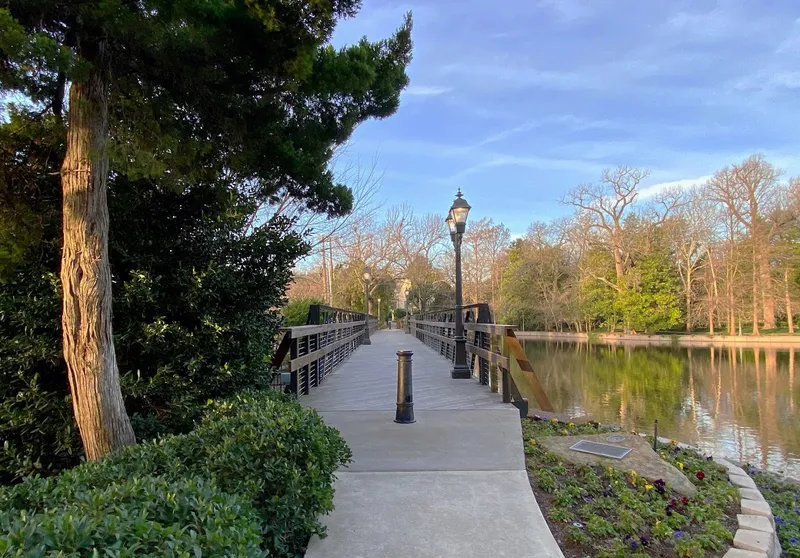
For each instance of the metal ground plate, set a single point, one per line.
(603, 450)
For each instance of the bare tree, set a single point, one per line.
(747, 190)
(605, 206)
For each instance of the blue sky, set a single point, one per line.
(518, 101)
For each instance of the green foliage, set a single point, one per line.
(649, 299)
(194, 318)
(295, 313)
(216, 108)
(618, 513)
(257, 470)
(138, 517)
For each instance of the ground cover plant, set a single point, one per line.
(606, 511)
(783, 496)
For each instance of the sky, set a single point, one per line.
(516, 102)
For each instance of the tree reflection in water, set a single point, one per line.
(741, 402)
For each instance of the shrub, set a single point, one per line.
(195, 316)
(145, 516)
(278, 458)
(295, 313)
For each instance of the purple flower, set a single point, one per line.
(634, 545)
(779, 520)
(678, 534)
(793, 540)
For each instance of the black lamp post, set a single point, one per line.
(367, 277)
(457, 223)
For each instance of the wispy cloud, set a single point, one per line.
(791, 44)
(568, 122)
(427, 90)
(569, 10)
(655, 189)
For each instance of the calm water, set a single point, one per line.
(740, 402)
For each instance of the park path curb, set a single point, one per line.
(756, 536)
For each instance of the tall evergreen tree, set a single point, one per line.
(247, 90)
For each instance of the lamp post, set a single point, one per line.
(367, 277)
(457, 223)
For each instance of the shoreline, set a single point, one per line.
(690, 340)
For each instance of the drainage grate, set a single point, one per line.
(604, 450)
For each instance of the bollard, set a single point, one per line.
(405, 395)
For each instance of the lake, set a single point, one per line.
(739, 402)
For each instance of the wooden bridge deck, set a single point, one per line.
(452, 484)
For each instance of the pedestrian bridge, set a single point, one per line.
(453, 483)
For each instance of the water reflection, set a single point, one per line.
(741, 402)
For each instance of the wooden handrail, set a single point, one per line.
(493, 350)
(316, 349)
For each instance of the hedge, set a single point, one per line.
(251, 480)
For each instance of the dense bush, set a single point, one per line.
(145, 516)
(257, 459)
(194, 315)
(295, 313)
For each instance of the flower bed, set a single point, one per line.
(605, 511)
(784, 498)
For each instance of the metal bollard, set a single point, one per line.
(405, 395)
(655, 436)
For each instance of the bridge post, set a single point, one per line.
(405, 395)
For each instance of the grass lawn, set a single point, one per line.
(605, 511)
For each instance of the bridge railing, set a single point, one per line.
(494, 354)
(316, 349)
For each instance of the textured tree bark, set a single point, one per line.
(85, 271)
(755, 289)
(787, 295)
(689, 298)
(767, 299)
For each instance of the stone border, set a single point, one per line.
(756, 536)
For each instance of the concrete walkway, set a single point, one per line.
(451, 485)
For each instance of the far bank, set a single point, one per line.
(691, 340)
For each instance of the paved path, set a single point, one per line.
(451, 485)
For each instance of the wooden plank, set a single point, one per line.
(303, 331)
(493, 358)
(282, 351)
(299, 362)
(448, 340)
(497, 329)
(528, 374)
(450, 325)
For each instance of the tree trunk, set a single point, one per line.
(85, 271)
(767, 299)
(789, 317)
(755, 288)
(689, 298)
(731, 309)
